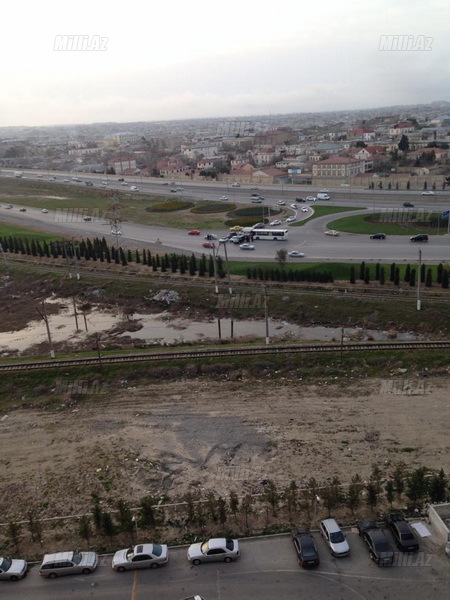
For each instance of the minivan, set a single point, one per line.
(334, 537)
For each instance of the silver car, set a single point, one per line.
(334, 537)
(142, 556)
(68, 563)
(215, 549)
(12, 568)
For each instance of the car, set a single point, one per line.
(124, 183)
(256, 200)
(210, 236)
(380, 550)
(44, 210)
(281, 202)
(236, 239)
(8, 205)
(310, 199)
(87, 219)
(428, 193)
(12, 569)
(208, 245)
(293, 205)
(247, 246)
(402, 531)
(334, 537)
(254, 187)
(215, 549)
(300, 200)
(180, 189)
(276, 222)
(117, 232)
(120, 179)
(224, 197)
(332, 232)
(420, 237)
(23, 209)
(68, 563)
(260, 225)
(378, 236)
(142, 556)
(296, 254)
(224, 239)
(254, 195)
(291, 219)
(305, 209)
(66, 180)
(194, 598)
(173, 190)
(235, 185)
(90, 184)
(408, 204)
(308, 555)
(236, 228)
(133, 188)
(194, 232)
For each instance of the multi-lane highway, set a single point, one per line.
(309, 238)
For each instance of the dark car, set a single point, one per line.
(402, 532)
(305, 547)
(420, 237)
(378, 236)
(259, 226)
(380, 550)
(408, 204)
(300, 200)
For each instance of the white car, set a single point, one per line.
(247, 246)
(293, 206)
(8, 205)
(12, 569)
(428, 193)
(44, 210)
(235, 185)
(254, 187)
(142, 556)
(281, 202)
(210, 236)
(310, 199)
(332, 232)
(66, 180)
(305, 209)
(334, 537)
(68, 563)
(133, 188)
(224, 197)
(291, 219)
(277, 222)
(296, 254)
(124, 183)
(216, 549)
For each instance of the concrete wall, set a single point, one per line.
(436, 514)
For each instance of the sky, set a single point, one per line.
(153, 61)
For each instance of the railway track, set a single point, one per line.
(225, 352)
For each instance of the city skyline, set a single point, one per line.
(96, 65)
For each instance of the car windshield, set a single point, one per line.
(76, 558)
(383, 547)
(230, 545)
(157, 550)
(130, 553)
(337, 537)
(5, 564)
(204, 547)
(309, 553)
(407, 536)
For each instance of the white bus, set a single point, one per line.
(270, 234)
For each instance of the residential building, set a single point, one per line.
(338, 166)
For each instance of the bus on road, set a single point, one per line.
(270, 234)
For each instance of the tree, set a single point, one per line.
(392, 275)
(147, 516)
(397, 276)
(372, 495)
(108, 527)
(222, 510)
(247, 508)
(352, 275)
(211, 504)
(13, 533)
(331, 495)
(233, 502)
(399, 480)
(382, 276)
(438, 487)
(35, 527)
(403, 144)
(125, 517)
(377, 271)
(390, 492)
(281, 257)
(271, 496)
(354, 493)
(440, 271)
(412, 278)
(376, 477)
(362, 270)
(429, 278)
(408, 272)
(408, 185)
(84, 528)
(290, 497)
(190, 507)
(367, 276)
(445, 279)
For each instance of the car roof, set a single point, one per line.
(331, 525)
(57, 556)
(217, 543)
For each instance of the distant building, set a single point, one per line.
(401, 129)
(338, 167)
(122, 164)
(125, 137)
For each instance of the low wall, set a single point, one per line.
(437, 513)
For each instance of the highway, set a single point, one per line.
(308, 238)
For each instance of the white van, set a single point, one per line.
(323, 196)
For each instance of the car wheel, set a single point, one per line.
(52, 576)
(86, 572)
(196, 561)
(372, 556)
(154, 565)
(121, 569)
(14, 578)
(227, 559)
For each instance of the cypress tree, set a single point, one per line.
(352, 274)
(407, 272)
(422, 274)
(397, 276)
(445, 279)
(362, 270)
(377, 272)
(367, 276)
(138, 258)
(392, 275)
(211, 266)
(429, 278)
(412, 278)
(440, 270)
(192, 265)
(129, 256)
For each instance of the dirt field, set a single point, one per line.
(208, 435)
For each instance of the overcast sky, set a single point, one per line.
(175, 60)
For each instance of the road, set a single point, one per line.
(267, 569)
(308, 238)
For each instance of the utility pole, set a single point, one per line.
(419, 281)
(230, 291)
(266, 314)
(216, 288)
(45, 317)
(75, 314)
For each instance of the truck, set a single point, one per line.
(18, 174)
(323, 196)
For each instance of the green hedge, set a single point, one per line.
(252, 211)
(212, 207)
(170, 206)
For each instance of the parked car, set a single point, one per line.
(378, 236)
(334, 537)
(380, 550)
(194, 232)
(291, 219)
(403, 532)
(142, 556)
(12, 569)
(306, 549)
(428, 193)
(215, 549)
(208, 245)
(224, 197)
(68, 563)
(408, 204)
(224, 239)
(420, 237)
(247, 246)
(87, 219)
(173, 190)
(124, 183)
(296, 254)
(276, 222)
(254, 187)
(332, 232)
